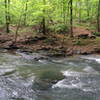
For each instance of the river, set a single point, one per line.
(18, 72)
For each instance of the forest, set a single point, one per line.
(60, 22)
(49, 49)
(57, 21)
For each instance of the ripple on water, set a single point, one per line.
(89, 69)
(15, 87)
(79, 80)
(81, 77)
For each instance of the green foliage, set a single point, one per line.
(59, 28)
(79, 42)
(55, 10)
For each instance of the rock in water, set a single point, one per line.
(46, 79)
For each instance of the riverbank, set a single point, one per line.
(52, 45)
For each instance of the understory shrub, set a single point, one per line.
(59, 28)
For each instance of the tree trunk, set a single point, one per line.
(43, 27)
(43, 20)
(7, 15)
(98, 17)
(64, 11)
(79, 12)
(25, 15)
(17, 29)
(88, 3)
(71, 18)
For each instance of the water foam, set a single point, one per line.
(96, 58)
(74, 80)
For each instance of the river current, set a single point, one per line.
(18, 72)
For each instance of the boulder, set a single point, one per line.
(46, 79)
(86, 36)
(83, 36)
(97, 49)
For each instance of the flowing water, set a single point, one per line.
(18, 72)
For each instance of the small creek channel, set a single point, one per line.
(18, 72)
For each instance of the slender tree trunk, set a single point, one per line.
(64, 11)
(98, 17)
(7, 15)
(43, 20)
(71, 18)
(9, 11)
(17, 29)
(44, 28)
(79, 12)
(25, 15)
(88, 8)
